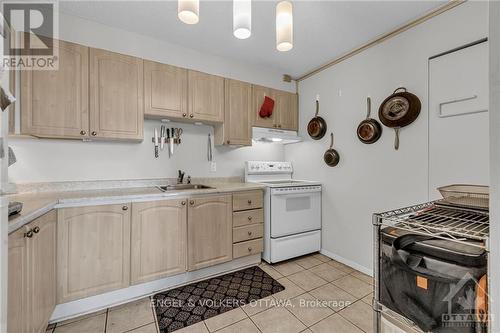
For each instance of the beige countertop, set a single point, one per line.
(37, 204)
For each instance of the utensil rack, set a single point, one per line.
(438, 219)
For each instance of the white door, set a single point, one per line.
(458, 118)
(295, 210)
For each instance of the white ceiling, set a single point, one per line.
(323, 30)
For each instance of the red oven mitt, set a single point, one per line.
(266, 110)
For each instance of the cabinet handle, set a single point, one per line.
(82, 132)
(184, 115)
(29, 234)
(191, 202)
(249, 249)
(36, 229)
(191, 116)
(249, 202)
(249, 233)
(125, 208)
(279, 126)
(94, 133)
(228, 141)
(183, 203)
(249, 218)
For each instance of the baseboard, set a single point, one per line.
(347, 262)
(92, 304)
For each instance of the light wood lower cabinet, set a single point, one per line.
(159, 239)
(209, 231)
(32, 275)
(93, 250)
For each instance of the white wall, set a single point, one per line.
(62, 160)
(373, 178)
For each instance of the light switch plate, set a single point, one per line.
(213, 166)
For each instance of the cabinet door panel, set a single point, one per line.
(159, 239)
(238, 107)
(287, 110)
(206, 97)
(209, 231)
(17, 283)
(165, 90)
(93, 250)
(41, 250)
(54, 103)
(116, 95)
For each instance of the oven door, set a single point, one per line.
(295, 210)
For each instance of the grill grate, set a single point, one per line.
(447, 222)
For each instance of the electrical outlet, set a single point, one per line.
(213, 166)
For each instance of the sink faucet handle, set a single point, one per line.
(189, 179)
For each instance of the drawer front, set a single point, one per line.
(248, 217)
(247, 248)
(247, 200)
(248, 232)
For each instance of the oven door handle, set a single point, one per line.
(293, 193)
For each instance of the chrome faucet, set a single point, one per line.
(189, 179)
(180, 177)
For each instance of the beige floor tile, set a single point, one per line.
(335, 324)
(368, 299)
(360, 314)
(257, 306)
(321, 257)
(291, 290)
(271, 271)
(328, 272)
(363, 277)
(308, 309)
(277, 320)
(129, 316)
(72, 320)
(93, 324)
(225, 319)
(308, 262)
(341, 266)
(307, 280)
(287, 268)
(354, 286)
(196, 328)
(337, 298)
(244, 326)
(149, 328)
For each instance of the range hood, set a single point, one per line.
(274, 135)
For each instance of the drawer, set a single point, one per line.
(248, 232)
(247, 200)
(247, 248)
(248, 217)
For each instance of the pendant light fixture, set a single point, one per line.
(284, 26)
(242, 18)
(188, 11)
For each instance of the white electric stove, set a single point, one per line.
(292, 210)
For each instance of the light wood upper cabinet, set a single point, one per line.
(236, 129)
(209, 231)
(205, 97)
(54, 103)
(165, 90)
(93, 250)
(259, 93)
(286, 108)
(159, 239)
(116, 96)
(32, 275)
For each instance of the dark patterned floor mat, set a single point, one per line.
(184, 306)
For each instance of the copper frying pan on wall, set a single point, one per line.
(317, 126)
(369, 130)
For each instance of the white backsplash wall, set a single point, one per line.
(46, 160)
(374, 178)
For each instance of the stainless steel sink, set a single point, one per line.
(183, 187)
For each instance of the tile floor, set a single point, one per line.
(321, 296)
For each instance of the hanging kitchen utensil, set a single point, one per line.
(399, 110)
(162, 137)
(317, 126)
(209, 148)
(156, 141)
(331, 156)
(369, 130)
(171, 146)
